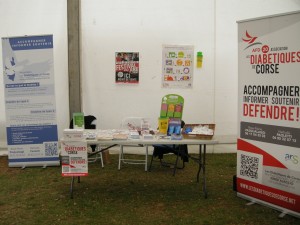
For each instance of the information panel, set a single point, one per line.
(177, 66)
(31, 125)
(74, 158)
(268, 154)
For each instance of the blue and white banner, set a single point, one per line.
(31, 125)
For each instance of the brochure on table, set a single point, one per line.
(78, 120)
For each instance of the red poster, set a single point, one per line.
(127, 67)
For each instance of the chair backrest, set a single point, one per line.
(135, 123)
(88, 122)
(182, 123)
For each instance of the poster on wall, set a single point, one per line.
(177, 66)
(268, 149)
(31, 127)
(127, 67)
(74, 161)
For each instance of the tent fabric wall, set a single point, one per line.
(38, 17)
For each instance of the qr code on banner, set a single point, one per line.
(249, 166)
(51, 148)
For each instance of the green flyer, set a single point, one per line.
(78, 120)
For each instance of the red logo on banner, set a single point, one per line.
(250, 40)
(265, 49)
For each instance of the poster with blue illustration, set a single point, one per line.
(28, 75)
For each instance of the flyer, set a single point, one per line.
(74, 159)
(78, 120)
(127, 67)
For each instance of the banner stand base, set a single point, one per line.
(283, 211)
(38, 164)
(251, 203)
(281, 215)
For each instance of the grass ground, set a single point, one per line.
(129, 196)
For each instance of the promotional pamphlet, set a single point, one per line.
(78, 120)
(74, 161)
(127, 67)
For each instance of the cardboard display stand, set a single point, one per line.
(172, 106)
(171, 112)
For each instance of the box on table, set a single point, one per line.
(73, 135)
(198, 131)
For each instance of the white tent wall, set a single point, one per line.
(38, 17)
(143, 26)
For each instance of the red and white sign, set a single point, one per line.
(268, 156)
(74, 160)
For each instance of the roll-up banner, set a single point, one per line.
(268, 149)
(31, 127)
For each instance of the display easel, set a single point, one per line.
(172, 106)
(171, 114)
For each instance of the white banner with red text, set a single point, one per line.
(268, 156)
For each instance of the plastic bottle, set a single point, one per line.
(199, 59)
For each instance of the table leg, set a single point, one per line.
(120, 156)
(146, 159)
(199, 162)
(204, 175)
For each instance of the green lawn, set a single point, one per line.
(129, 196)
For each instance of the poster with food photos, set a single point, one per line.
(127, 67)
(177, 66)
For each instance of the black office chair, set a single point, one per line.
(179, 150)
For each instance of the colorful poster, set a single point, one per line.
(74, 160)
(268, 154)
(127, 67)
(31, 125)
(177, 63)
